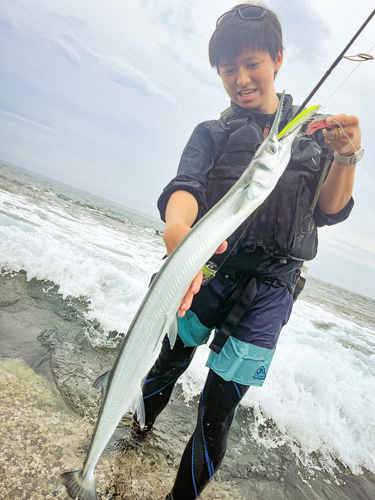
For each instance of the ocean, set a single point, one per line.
(319, 397)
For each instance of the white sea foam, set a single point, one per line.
(86, 254)
(320, 391)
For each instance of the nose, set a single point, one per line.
(243, 77)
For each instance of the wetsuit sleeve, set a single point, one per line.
(322, 219)
(196, 161)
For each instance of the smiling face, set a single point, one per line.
(249, 80)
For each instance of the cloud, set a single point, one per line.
(67, 49)
(124, 84)
(66, 33)
(336, 266)
(123, 73)
(178, 19)
(23, 119)
(358, 254)
(304, 29)
(117, 68)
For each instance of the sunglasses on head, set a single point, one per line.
(249, 12)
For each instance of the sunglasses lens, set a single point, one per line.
(224, 18)
(251, 12)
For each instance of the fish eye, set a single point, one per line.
(263, 166)
(272, 149)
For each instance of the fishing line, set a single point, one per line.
(362, 58)
(343, 131)
(335, 63)
(252, 217)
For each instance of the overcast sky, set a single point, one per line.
(104, 96)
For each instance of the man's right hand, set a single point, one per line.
(181, 212)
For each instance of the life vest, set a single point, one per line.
(276, 225)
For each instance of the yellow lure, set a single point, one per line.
(305, 115)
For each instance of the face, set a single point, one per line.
(250, 80)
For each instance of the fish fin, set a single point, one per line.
(162, 330)
(102, 382)
(78, 487)
(138, 408)
(172, 334)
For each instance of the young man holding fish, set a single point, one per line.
(246, 49)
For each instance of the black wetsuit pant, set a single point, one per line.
(219, 400)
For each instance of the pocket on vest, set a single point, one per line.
(295, 232)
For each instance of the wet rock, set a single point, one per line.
(8, 292)
(75, 365)
(52, 335)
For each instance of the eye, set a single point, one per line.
(272, 149)
(263, 166)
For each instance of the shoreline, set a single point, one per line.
(48, 333)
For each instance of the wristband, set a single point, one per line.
(350, 160)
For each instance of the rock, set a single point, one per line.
(8, 292)
(6, 377)
(52, 335)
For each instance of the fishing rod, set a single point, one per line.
(336, 62)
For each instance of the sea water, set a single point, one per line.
(319, 396)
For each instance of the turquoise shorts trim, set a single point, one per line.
(246, 364)
(191, 330)
(238, 361)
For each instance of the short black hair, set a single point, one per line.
(237, 35)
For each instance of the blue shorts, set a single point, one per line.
(247, 354)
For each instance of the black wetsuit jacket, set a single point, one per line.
(214, 159)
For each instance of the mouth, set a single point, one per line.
(244, 93)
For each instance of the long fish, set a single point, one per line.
(156, 315)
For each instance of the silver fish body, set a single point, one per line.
(157, 313)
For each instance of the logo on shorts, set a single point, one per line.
(260, 374)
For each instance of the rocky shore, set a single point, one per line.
(48, 407)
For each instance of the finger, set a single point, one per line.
(222, 247)
(185, 304)
(188, 299)
(196, 283)
(342, 121)
(335, 134)
(327, 136)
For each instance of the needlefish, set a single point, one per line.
(156, 315)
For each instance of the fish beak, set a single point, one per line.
(276, 123)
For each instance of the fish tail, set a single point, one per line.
(82, 488)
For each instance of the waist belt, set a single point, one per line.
(242, 296)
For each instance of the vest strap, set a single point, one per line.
(240, 147)
(242, 297)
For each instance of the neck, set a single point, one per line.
(270, 106)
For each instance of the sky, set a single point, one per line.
(104, 96)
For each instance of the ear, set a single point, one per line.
(279, 61)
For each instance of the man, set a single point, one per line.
(246, 49)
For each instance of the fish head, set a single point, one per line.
(273, 154)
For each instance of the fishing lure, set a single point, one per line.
(303, 117)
